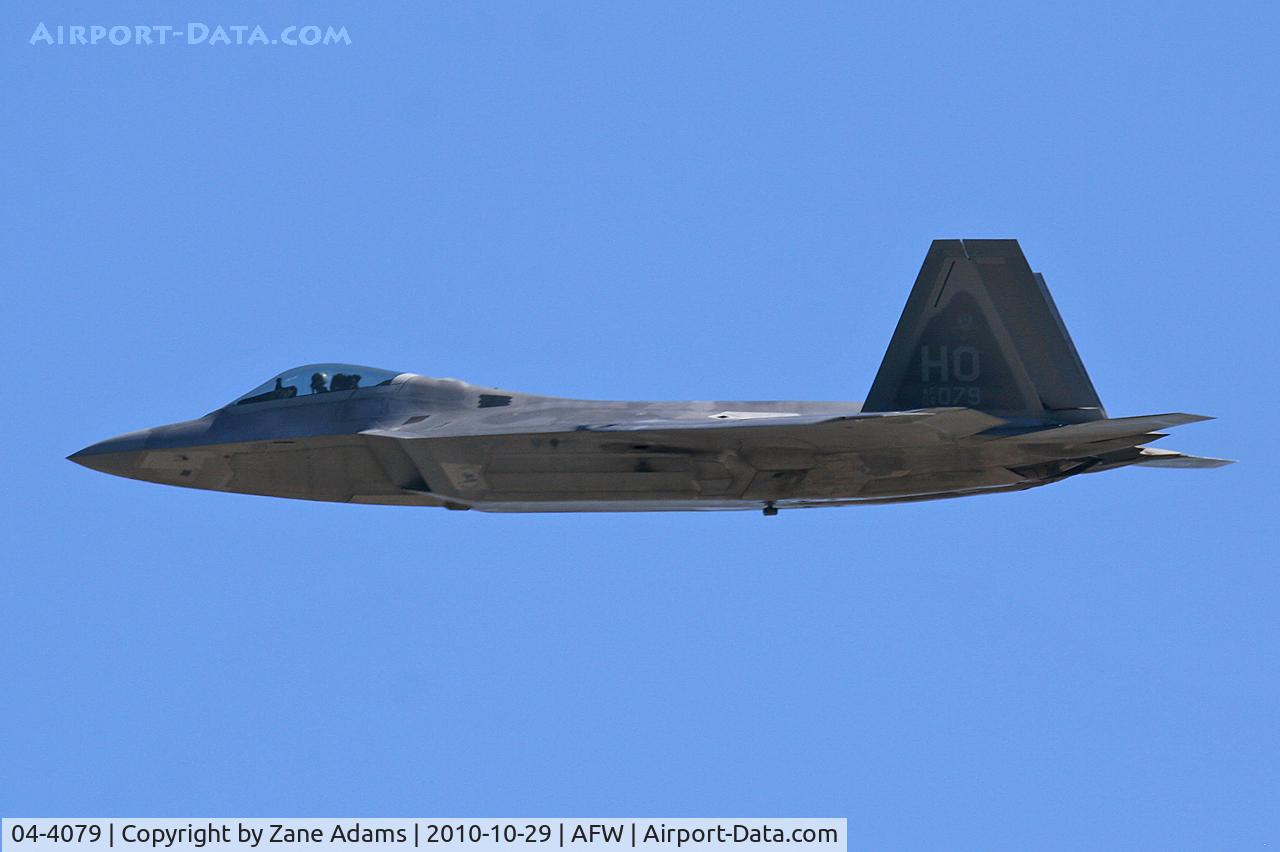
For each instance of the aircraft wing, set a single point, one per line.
(906, 427)
(711, 422)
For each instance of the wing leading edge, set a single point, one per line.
(949, 423)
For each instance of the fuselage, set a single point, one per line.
(981, 390)
(414, 440)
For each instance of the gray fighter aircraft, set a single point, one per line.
(981, 391)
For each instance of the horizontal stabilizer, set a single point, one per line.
(1152, 457)
(1104, 430)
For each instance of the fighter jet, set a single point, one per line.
(981, 391)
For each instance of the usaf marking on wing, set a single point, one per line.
(981, 391)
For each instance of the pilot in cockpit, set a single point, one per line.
(324, 379)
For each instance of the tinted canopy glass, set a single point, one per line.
(314, 379)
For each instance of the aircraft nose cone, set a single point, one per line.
(118, 455)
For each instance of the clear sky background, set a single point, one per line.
(686, 201)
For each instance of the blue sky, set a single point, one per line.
(683, 201)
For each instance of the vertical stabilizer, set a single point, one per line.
(980, 330)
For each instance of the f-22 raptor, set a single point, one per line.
(981, 391)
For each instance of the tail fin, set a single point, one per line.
(981, 331)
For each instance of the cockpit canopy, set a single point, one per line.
(314, 379)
